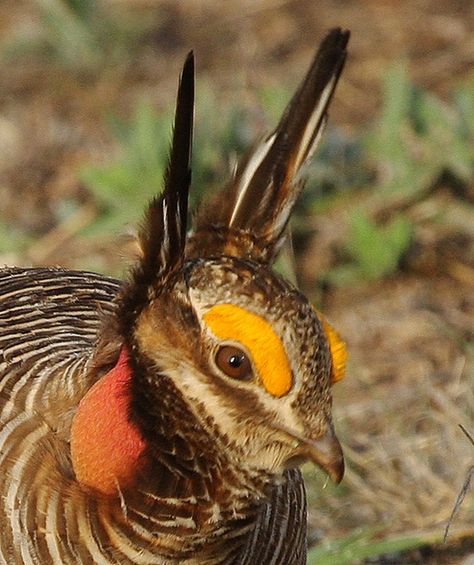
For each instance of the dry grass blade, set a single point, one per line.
(465, 488)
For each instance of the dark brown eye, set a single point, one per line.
(234, 363)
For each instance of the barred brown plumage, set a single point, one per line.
(121, 438)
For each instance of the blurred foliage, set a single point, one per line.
(82, 35)
(375, 250)
(417, 137)
(71, 30)
(220, 137)
(123, 185)
(363, 544)
(12, 239)
(415, 141)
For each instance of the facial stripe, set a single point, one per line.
(233, 323)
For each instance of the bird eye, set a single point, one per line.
(234, 363)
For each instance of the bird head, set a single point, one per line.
(251, 358)
(246, 349)
(215, 339)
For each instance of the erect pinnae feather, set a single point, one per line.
(163, 234)
(261, 196)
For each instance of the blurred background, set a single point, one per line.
(383, 234)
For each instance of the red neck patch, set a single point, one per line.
(107, 449)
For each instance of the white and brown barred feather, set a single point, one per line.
(162, 236)
(249, 217)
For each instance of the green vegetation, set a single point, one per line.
(12, 239)
(375, 250)
(82, 35)
(124, 184)
(418, 137)
(364, 544)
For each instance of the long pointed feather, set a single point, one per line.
(295, 134)
(258, 202)
(163, 235)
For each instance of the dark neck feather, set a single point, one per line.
(189, 457)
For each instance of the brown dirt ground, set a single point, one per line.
(410, 375)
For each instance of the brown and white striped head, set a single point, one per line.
(228, 361)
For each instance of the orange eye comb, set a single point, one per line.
(338, 350)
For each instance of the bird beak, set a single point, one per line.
(326, 452)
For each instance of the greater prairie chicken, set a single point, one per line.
(161, 420)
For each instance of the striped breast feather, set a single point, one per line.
(56, 305)
(49, 324)
(279, 535)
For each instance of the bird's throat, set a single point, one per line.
(107, 448)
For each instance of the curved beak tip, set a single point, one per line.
(326, 452)
(336, 471)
